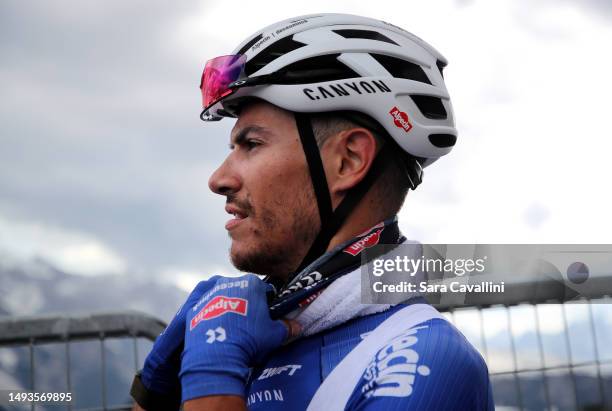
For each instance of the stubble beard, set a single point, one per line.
(278, 250)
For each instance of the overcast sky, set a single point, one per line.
(104, 162)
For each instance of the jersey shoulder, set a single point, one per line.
(430, 366)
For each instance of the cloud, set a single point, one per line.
(535, 215)
(187, 279)
(101, 135)
(71, 251)
(530, 110)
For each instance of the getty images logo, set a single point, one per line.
(394, 369)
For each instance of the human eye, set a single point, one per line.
(250, 144)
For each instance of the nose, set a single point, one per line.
(224, 180)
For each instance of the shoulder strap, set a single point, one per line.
(335, 391)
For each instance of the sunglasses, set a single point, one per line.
(223, 76)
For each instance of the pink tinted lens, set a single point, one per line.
(218, 74)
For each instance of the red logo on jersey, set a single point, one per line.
(400, 119)
(219, 306)
(363, 243)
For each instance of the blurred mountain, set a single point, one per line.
(37, 287)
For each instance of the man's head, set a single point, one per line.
(300, 192)
(267, 184)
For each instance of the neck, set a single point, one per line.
(364, 216)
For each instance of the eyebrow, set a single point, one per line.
(240, 137)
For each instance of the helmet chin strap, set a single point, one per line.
(332, 220)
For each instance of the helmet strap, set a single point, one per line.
(315, 165)
(332, 220)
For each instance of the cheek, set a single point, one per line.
(281, 196)
(278, 177)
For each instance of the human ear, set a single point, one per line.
(354, 151)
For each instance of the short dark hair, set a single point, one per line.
(393, 184)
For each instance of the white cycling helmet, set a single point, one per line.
(373, 72)
(340, 62)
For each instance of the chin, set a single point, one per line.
(260, 259)
(242, 257)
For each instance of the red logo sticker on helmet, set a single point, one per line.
(363, 243)
(400, 119)
(219, 306)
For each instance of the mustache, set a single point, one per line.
(243, 205)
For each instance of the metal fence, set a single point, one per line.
(526, 375)
(37, 332)
(552, 362)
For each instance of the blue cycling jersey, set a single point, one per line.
(429, 367)
(407, 357)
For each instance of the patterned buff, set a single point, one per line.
(310, 282)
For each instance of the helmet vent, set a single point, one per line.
(250, 43)
(443, 140)
(364, 34)
(430, 106)
(316, 70)
(441, 66)
(401, 68)
(271, 53)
